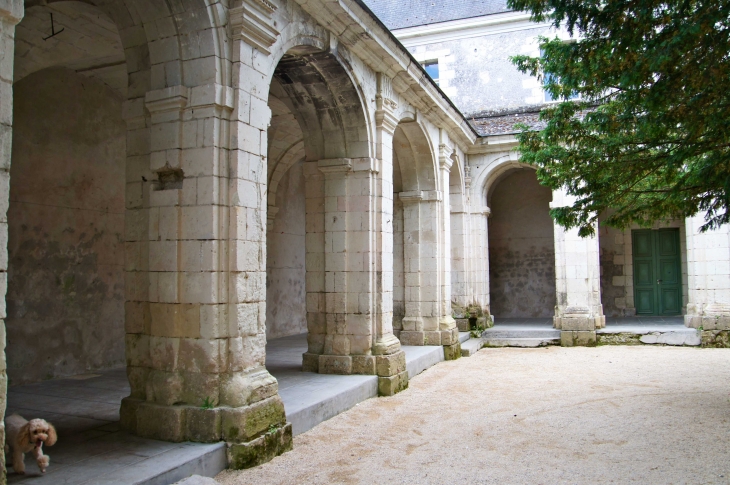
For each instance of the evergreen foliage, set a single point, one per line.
(649, 138)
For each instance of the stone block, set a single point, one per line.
(716, 339)
(449, 337)
(128, 414)
(245, 423)
(242, 388)
(164, 387)
(571, 338)
(199, 388)
(578, 323)
(432, 338)
(363, 364)
(408, 337)
(388, 386)
(166, 423)
(392, 364)
(203, 425)
(310, 362)
(335, 364)
(203, 355)
(452, 352)
(462, 324)
(261, 450)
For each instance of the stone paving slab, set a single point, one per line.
(91, 448)
(311, 398)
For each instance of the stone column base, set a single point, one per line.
(390, 368)
(255, 433)
(452, 352)
(578, 338)
(388, 386)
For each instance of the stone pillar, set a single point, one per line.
(196, 266)
(578, 312)
(479, 258)
(459, 256)
(352, 313)
(708, 279)
(412, 333)
(315, 266)
(447, 324)
(11, 12)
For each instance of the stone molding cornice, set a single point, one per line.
(410, 197)
(174, 98)
(252, 22)
(335, 165)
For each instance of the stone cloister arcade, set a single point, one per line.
(259, 169)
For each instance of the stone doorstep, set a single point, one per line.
(525, 342)
(471, 347)
(677, 337)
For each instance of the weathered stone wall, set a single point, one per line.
(11, 11)
(65, 281)
(476, 72)
(286, 310)
(521, 249)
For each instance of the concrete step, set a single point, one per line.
(471, 347)
(420, 358)
(547, 334)
(464, 336)
(322, 396)
(519, 341)
(677, 335)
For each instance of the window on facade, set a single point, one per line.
(432, 69)
(545, 80)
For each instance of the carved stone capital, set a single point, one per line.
(335, 166)
(385, 105)
(252, 22)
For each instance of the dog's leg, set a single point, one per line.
(41, 459)
(18, 457)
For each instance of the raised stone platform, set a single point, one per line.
(311, 398)
(91, 449)
(526, 332)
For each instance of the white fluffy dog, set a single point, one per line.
(24, 436)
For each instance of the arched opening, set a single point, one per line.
(66, 214)
(66, 224)
(521, 248)
(416, 284)
(317, 129)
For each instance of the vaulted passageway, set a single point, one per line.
(521, 247)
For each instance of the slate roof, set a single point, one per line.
(399, 14)
(503, 123)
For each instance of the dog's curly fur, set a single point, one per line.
(24, 436)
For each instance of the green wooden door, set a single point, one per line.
(657, 272)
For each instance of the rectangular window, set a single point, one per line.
(547, 78)
(432, 69)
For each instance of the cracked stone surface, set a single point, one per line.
(610, 414)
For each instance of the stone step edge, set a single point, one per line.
(520, 342)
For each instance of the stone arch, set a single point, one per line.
(414, 160)
(162, 48)
(521, 242)
(417, 220)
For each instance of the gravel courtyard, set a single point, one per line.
(653, 415)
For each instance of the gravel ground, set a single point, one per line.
(651, 415)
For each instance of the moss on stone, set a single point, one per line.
(618, 339)
(261, 450)
(717, 339)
